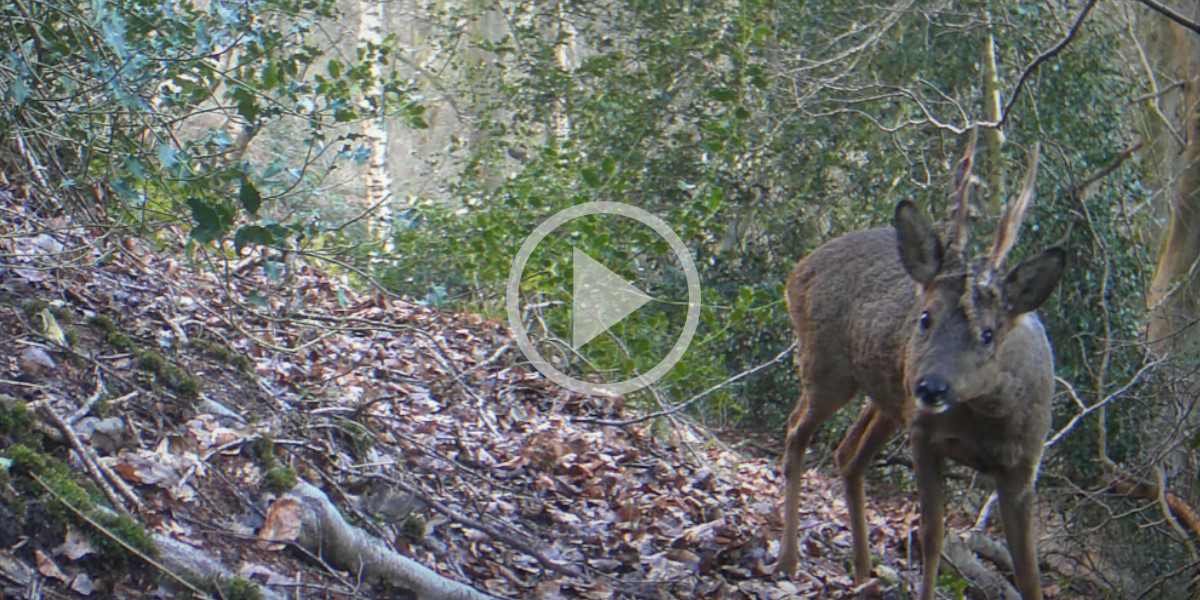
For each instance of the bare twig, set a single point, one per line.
(1180, 511)
(1102, 403)
(693, 399)
(1112, 166)
(1037, 62)
(1171, 14)
(101, 474)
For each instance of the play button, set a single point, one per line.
(600, 299)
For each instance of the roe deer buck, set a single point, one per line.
(940, 345)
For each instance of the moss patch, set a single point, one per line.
(280, 479)
(166, 373)
(32, 472)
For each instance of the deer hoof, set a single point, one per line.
(786, 567)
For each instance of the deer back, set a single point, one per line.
(850, 302)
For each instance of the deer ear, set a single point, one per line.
(1028, 285)
(920, 248)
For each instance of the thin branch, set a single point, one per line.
(1112, 166)
(1171, 14)
(1109, 398)
(85, 517)
(693, 399)
(101, 473)
(1037, 62)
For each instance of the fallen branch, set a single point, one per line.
(1132, 486)
(101, 474)
(986, 547)
(992, 584)
(178, 557)
(325, 533)
(162, 566)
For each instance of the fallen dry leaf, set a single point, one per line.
(76, 546)
(283, 521)
(46, 566)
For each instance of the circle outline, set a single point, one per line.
(512, 297)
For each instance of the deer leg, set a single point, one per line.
(929, 467)
(816, 405)
(1016, 514)
(868, 436)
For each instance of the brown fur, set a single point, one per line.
(856, 304)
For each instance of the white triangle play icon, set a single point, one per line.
(600, 299)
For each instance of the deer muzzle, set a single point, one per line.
(933, 393)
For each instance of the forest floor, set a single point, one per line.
(189, 396)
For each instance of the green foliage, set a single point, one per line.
(147, 109)
(223, 353)
(277, 478)
(716, 118)
(130, 532)
(33, 307)
(263, 450)
(414, 528)
(948, 581)
(15, 419)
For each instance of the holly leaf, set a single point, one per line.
(251, 199)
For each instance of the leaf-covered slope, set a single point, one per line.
(205, 396)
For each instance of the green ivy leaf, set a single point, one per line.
(713, 200)
(274, 269)
(208, 221)
(270, 76)
(252, 234)
(247, 104)
(590, 177)
(609, 166)
(251, 199)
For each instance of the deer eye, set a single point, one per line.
(925, 321)
(987, 336)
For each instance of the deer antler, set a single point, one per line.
(958, 199)
(1006, 232)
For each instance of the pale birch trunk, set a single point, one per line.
(377, 176)
(565, 51)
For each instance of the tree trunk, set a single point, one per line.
(378, 177)
(994, 136)
(564, 54)
(1172, 297)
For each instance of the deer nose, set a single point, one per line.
(933, 391)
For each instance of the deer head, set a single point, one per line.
(964, 311)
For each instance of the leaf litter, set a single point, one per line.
(426, 428)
